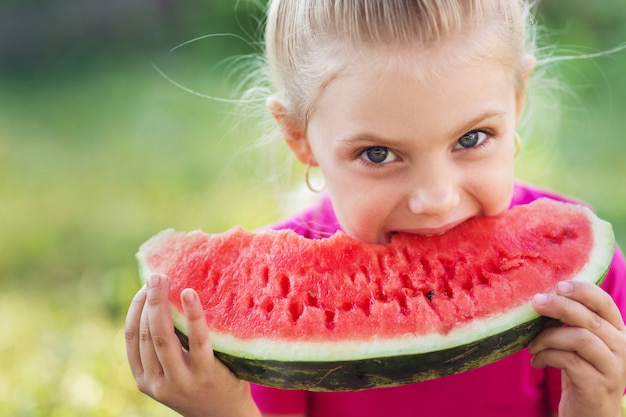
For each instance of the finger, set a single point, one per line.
(200, 350)
(574, 313)
(151, 366)
(579, 371)
(576, 340)
(131, 332)
(161, 327)
(566, 310)
(594, 298)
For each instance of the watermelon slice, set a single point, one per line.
(336, 314)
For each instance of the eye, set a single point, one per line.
(378, 155)
(471, 140)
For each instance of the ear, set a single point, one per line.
(292, 131)
(529, 65)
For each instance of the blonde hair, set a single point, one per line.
(306, 40)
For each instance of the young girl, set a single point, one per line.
(409, 108)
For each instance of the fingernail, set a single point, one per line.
(541, 299)
(189, 296)
(564, 287)
(154, 281)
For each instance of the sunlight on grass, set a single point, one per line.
(83, 184)
(56, 363)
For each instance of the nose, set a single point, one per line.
(434, 192)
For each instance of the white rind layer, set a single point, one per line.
(292, 351)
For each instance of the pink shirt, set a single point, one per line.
(509, 387)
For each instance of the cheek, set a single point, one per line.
(360, 214)
(495, 191)
(502, 201)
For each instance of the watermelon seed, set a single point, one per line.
(430, 295)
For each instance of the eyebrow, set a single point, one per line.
(476, 121)
(367, 137)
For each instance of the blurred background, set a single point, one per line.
(99, 151)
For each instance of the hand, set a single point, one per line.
(194, 382)
(590, 350)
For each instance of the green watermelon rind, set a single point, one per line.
(356, 365)
(360, 374)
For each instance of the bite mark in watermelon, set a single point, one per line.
(337, 314)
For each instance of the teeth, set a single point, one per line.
(425, 235)
(434, 234)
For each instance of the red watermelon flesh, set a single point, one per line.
(278, 285)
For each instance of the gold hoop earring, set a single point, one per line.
(307, 181)
(518, 144)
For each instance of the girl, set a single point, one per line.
(409, 108)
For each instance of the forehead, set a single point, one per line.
(429, 63)
(407, 91)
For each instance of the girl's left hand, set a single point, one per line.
(590, 350)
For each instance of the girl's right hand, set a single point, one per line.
(194, 382)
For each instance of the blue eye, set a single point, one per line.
(378, 155)
(471, 139)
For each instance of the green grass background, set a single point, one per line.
(98, 152)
